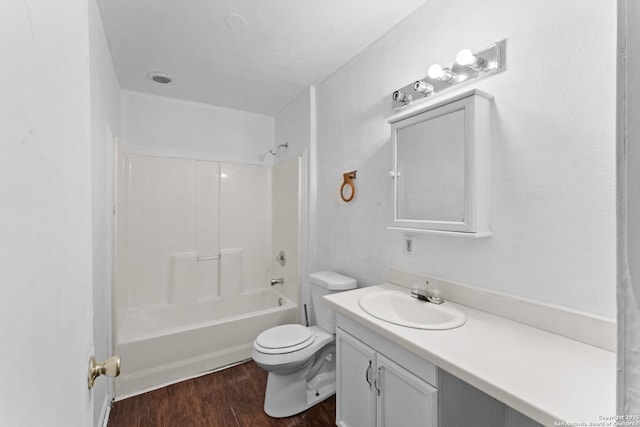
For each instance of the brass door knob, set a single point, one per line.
(110, 368)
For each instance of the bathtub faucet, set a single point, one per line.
(279, 281)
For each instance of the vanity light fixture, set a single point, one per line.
(468, 67)
(436, 72)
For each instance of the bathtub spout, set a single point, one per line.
(279, 281)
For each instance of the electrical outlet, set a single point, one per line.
(408, 245)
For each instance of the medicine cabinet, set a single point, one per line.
(441, 159)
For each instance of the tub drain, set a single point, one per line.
(280, 302)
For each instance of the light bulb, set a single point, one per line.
(467, 58)
(436, 72)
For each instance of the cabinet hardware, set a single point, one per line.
(376, 381)
(366, 374)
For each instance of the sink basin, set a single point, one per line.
(399, 308)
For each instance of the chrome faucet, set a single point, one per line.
(279, 281)
(423, 294)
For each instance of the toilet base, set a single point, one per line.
(285, 398)
(290, 394)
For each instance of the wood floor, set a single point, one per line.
(229, 398)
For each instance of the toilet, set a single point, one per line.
(301, 360)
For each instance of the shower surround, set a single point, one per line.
(195, 244)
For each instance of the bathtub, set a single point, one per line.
(161, 345)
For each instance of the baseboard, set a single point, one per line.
(163, 375)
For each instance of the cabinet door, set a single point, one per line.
(355, 398)
(404, 400)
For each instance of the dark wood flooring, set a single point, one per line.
(232, 397)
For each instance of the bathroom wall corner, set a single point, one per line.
(295, 124)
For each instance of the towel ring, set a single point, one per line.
(347, 182)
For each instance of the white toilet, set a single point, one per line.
(301, 360)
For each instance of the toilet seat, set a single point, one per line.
(284, 339)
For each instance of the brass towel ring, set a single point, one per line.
(347, 181)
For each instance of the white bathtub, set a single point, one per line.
(161, 345)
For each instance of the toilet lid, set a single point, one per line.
(285, 338)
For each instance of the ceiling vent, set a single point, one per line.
(158, 77)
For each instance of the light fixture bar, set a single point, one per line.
(469, 66)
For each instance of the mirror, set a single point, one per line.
(430, 165)
(438, 167)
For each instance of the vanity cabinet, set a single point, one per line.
(355, 372)
(403, 399)
(374, 390)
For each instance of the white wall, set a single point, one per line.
(155, 125)
(45, 214)
(295, 124)
(291, 125)
(553, 152)
(105, 124)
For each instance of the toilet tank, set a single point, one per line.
(326, 283)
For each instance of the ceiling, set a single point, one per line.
(251, 55)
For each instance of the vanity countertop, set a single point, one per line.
(548, 377)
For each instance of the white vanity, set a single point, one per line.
(381, 384)
(550, 364)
